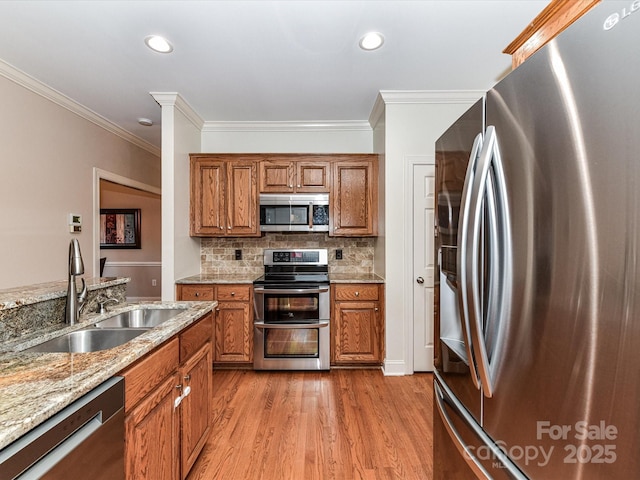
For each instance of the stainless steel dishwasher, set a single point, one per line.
(85, 440)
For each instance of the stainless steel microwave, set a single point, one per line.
(294, 213)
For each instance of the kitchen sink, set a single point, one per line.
(140, 318)
(88, 340)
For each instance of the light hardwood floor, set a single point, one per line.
(343, 424)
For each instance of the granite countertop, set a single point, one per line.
(35, 386)
(355, 278)
(219, 278)
(28, 295)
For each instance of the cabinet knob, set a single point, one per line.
(217, 309)
(221, 227)
(291, 186)
(179, 386)
(233, 294)
(229, 227)
(197, 294)
(188, 377)
(357, 294)
(376, 309)
(299, 186)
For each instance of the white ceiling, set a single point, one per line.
(257, 60)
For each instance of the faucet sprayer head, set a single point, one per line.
(76, 266)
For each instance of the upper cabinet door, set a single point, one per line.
(277, 177)
(354, 197)
(207, 199)
(303, 174)
(242, 198)
(224, 196)
(313, 176)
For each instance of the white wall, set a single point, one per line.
(48, 148)
(287, 137)
(412, 122)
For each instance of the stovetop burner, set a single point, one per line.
(285, 267)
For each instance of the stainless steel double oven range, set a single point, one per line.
(291, 302)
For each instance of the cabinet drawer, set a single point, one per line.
(230, 293)
(142, 377)
(195, 336)
(357, 292)
(196, 292)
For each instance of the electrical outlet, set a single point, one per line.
(238, 254)
(154, 283)
(339, 254)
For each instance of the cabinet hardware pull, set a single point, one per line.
(197, 294)
(187, 378)
(375, 309)
(179, 386)
(357, 294)
(233, 294)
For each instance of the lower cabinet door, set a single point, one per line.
(357, 332)
(151, 435)
(233, 332)
(196, 406)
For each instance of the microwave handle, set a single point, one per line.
(262, 290)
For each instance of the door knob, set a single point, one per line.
(420, 280)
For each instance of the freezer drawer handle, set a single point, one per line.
(471, 460)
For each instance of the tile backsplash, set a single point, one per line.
(217, 255)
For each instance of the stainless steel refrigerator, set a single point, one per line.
(538, 247)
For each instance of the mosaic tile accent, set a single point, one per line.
(217, 255)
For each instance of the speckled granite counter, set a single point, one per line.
(219, 278)
(34, 386)
(355, 278)
(28, 295)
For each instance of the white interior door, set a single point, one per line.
(423, 266)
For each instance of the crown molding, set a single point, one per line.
(174, 99)
(24, 80)
(288, 126)
(430, 96)
(416, 97)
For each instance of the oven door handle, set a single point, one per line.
(291, 326)
(262, 290)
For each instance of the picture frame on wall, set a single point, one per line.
(120, 228)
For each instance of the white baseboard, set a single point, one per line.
(394, 368)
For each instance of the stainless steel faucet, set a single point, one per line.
(75, 300)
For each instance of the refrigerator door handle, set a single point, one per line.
(463, 234)
(490, 197)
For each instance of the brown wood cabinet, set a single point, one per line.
(233, 331)
(357, 325)
(166, 424)
(304, 174)
(354, 197)
(224, 196)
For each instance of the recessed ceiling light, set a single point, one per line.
(158, 44)
(145, 122)
(371, 41)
